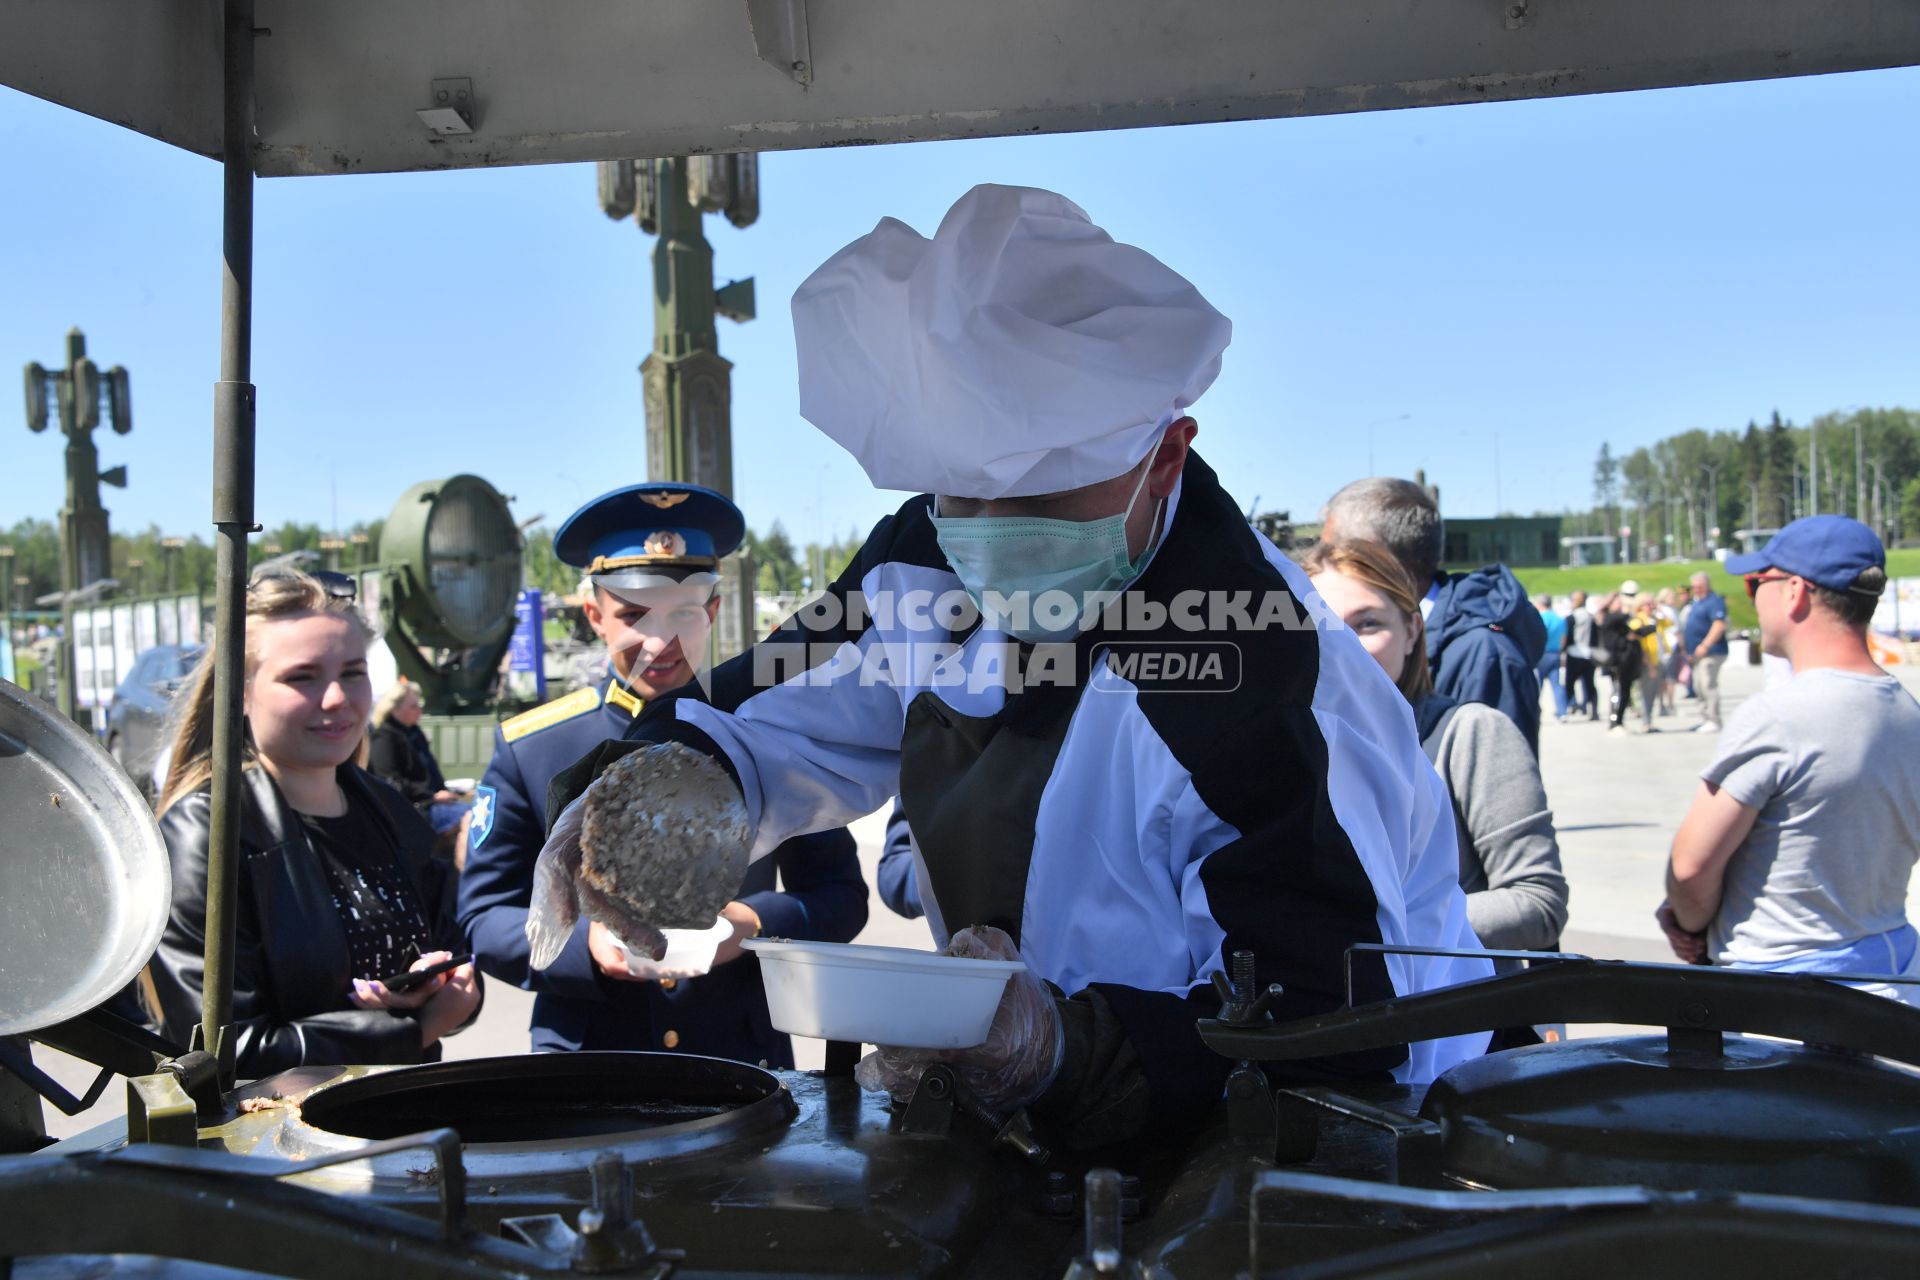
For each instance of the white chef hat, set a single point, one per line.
(1019, 351)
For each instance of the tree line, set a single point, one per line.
(150, 562)
(1680, 496)
(1691, 492)
(780, 566)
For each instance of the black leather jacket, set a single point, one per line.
(291, 962)
(403, 757)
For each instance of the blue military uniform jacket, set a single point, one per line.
(723, 1014)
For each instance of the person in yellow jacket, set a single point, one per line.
(1650, 630)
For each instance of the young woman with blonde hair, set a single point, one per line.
(336, 886)
(1509, 855)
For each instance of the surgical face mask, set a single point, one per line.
(1040, 579)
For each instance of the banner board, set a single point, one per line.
(1899, 611)
(528, 650)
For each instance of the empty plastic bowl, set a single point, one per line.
(689, 952)
(880, 995)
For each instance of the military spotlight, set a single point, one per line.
(119, 399)
(86, 395)
(36, 398)
(452, 554)
(617, 187)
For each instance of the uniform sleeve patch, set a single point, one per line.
(480, 825)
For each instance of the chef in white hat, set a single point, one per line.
(1127, 749)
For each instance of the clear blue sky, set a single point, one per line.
(1551, 274)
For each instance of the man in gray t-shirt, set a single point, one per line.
(1799, 845)
(1830, 764)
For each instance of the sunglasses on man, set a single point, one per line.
(1753, 581)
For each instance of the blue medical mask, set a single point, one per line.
(1037, 578)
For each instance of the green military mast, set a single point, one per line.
(685, 379)
(75, 394)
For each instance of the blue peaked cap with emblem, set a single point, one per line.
(657, 526)
(1828, 550)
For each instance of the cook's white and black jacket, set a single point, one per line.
(1130, 829)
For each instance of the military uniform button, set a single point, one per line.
(671, 1039)
(668, 984)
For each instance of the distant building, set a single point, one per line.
(1752, 540)
(1525, 541)
(1589, 549)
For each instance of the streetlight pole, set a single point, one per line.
(1813, 469)
(1879, 500)
(1713, 501)
(171, 548)
(1859, 470)
(6, 569)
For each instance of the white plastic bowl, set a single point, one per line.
(881, 995)
(689, 952)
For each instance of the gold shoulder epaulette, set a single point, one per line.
(579, 702)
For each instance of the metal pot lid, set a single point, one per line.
(1751, 1115)
(84, 883)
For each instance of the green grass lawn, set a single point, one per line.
(1651, 577)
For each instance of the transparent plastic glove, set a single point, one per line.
(671, 844)
(1020, 1055)
(555, 908)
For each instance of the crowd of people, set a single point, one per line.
(1652, 646)
(1370, 775)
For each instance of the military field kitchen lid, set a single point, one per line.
(84, 882)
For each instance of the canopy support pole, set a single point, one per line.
(233, 410)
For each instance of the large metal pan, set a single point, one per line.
(84, 882)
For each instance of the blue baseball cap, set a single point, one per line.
(1829, 551)
(649, 531)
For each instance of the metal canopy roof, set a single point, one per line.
(342, 83)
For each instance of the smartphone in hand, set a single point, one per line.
(413, 978)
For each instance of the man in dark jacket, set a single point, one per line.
(1484, 638)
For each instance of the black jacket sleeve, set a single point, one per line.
(288, 1010)
(392, 757)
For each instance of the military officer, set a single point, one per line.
(651, 556)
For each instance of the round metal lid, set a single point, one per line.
(84, 882)
(1757, 1116)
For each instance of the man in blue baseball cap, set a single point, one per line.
(1796, 853)
(651, 558)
